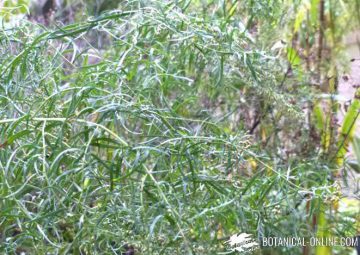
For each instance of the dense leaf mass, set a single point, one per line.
(158, 127)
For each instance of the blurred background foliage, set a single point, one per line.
(164, 127)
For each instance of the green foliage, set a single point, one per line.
(131, 128)
(11, 7)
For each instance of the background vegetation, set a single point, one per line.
(165, 127)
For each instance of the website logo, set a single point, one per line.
(242, 243)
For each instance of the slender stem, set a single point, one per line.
(89, 123)
(321, 34)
